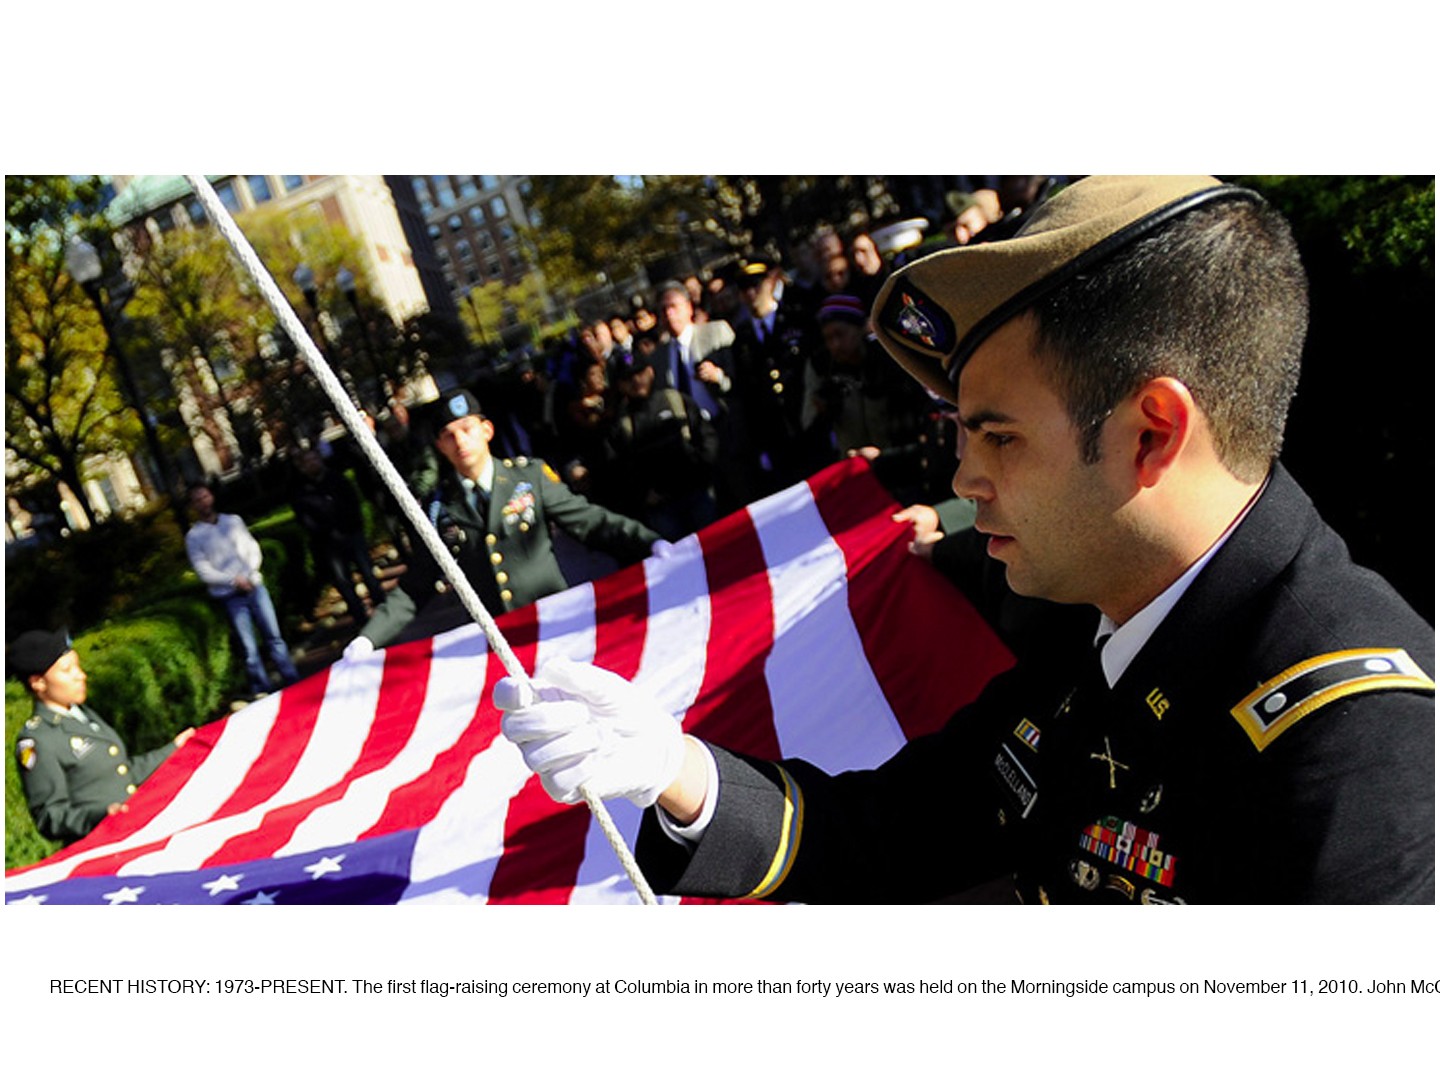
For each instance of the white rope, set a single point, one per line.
(397, 487)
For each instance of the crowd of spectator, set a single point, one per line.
(724, 387)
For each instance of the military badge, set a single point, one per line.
(1131, 848)
(1014, 779)
(80, 746)
(1151, 799)
(914, 316)
(1028, 733)
(1084, 873)
(521, 506)
(1150, 896)
(1121, 885)
(25, 752)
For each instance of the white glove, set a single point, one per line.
(589, 726)
(358, 649)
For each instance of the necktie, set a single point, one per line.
(682, 371)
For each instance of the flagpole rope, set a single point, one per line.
(395, 484)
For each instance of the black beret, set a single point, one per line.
(35, 651)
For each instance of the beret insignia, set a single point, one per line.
(914, 316)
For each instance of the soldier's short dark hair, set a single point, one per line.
(1216, 298)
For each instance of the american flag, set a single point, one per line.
(799, 626)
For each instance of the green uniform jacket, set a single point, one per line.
(504, 550)
(73, 769)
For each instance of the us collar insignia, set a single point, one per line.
(914, 316)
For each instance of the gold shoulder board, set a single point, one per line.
(1298, 691)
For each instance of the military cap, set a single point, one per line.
(631, 364)
(35, 651)
(457, 405)
(751, 271)
(934, 313)
(838, 307)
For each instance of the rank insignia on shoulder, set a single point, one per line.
(1295, 693)
(917, 318)
(25, 752)
(550, 474)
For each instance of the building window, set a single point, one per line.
(462, 249)
(467, 187)
(455, 223)
(195, 210)
(434, 231)
(473, 276)
(497, 208)
(228, 198)
(507, 231)
(487, 242)
(292, 182)
(259, 189)
(493, 267)
(489, 183)
(443, 191)
(422, 194)
(477, 215)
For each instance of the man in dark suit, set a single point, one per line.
(695, 359)
(1250, 717)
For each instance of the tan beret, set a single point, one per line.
(933, 314)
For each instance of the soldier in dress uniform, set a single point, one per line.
(74, 767)
(773, 346)
(495, 516)
(1248, 717)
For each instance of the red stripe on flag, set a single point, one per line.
(733, 706)
(416, 803)
(544, 842)
(288, 737)
(892, 593)
(402, 694)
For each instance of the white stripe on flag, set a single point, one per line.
(452, 694)
(206, 790)
(344, 720)
(816, 643)
(469, 831)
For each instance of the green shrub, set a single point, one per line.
(23, 845)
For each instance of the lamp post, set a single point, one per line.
(346, 281)
(304, 279)
(84, 266)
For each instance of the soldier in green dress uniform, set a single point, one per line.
(495, 515)
(74, 767)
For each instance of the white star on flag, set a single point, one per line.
(263, 897)
(32, 899)
(124, 895)
(224, 883)
(326, 865)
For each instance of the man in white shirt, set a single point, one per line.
(227, 558)
(1251, 716)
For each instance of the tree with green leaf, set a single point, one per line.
(62, 404)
